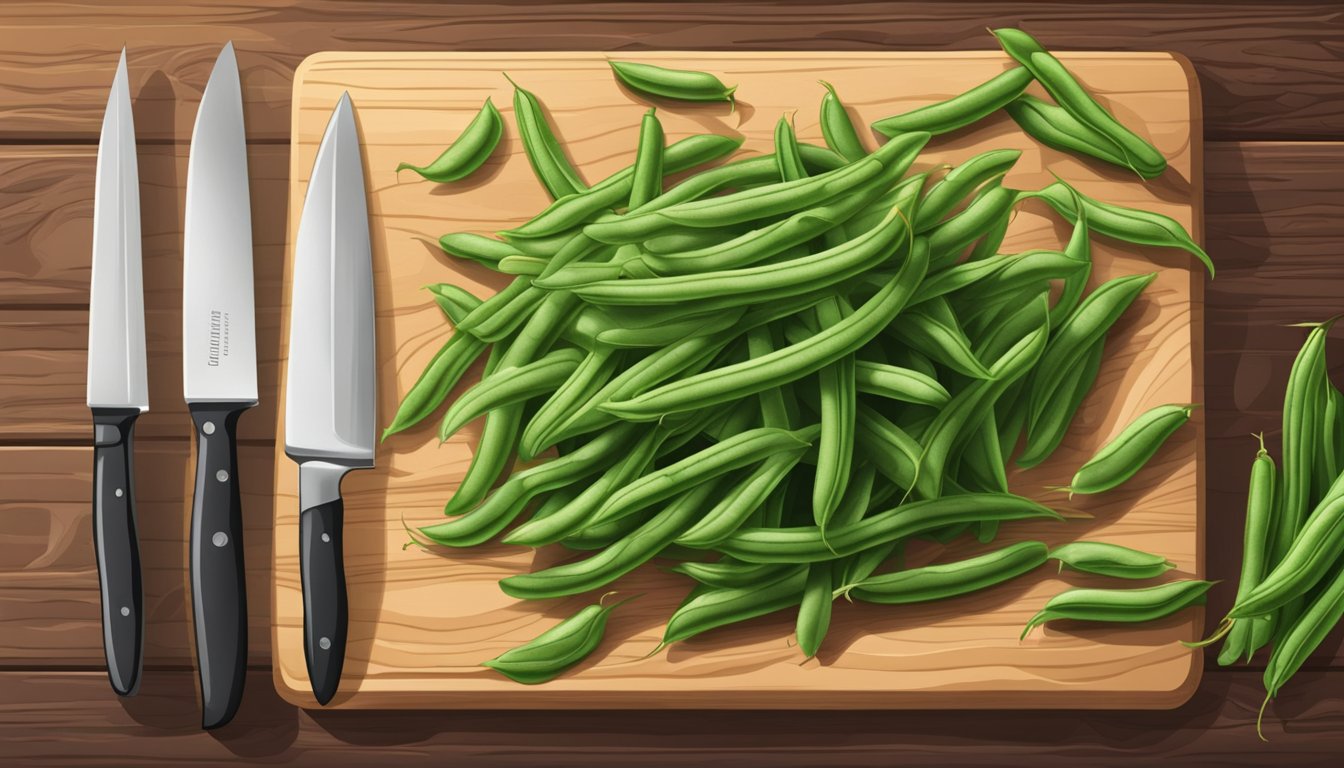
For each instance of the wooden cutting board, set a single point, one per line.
(421, 622)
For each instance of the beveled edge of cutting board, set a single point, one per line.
(818, 698)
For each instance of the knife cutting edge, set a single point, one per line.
(330, 387)
(219, 377)
(117, 391)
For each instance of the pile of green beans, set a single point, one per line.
(776, 372)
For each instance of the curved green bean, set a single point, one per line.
(469, 152)
(960, 111)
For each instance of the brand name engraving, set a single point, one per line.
(219, 337)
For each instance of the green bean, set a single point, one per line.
(835, 445)
(893, 452)
(1079, 248)
(1302, 406)
(501, 314)
(960, 181)
(774, 412)
(578, 274)
(988, 245)
(1314, 551)
(482, 250)
(1110, 560)
(744, 497)
(517, 264)
(1303, 637)
(1055, 128)
(1125, 455)
(1075, 338)
(1121, 605)
(895, 383)
(931, 328)
(782, 366)
(647, 182)
(948, 239)
(982, 457)
(729, 573)
(1020, 272)
(960, 111)
(760, 284)
(617, 558)
(837, 128)
(575, 210)
(1261, 497)
(814, 609)
(575, 514)
(805, 544)
(946, 580)
(671, 332)
(787, 155)
(543, 150)
(1328, 467)
(469, 152)
(595, 537)
(947, 432)
(1053, 423)
(557, 649)
(428, 392)
(762, 202)
(738, 451)
(509, 386)
(1130, 225)
(708, 609)
(591, 374)
(1069, 94)
(680, 84)
(508, 501)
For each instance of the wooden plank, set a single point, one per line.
(46, 203)
(1270, 70)
(48, 582)
(73, 719)
(407, 650)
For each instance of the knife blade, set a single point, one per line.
(219, 381)
(117, 391)
(329, 391)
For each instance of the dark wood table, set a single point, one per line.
(1273, 82)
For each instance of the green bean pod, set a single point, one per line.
(960, 182)
(894, 453)
(502, 314)
(1316, 549)
(508, 386)
(469, 152)
(590, 375)
(671, 332)
(950, 238)
(728, 573)
(1079, 248)
(784, 365)
(679, 84)
(615, 559)
(557, 649)
(1110, 560)
(729, 514)
(428, 392)
(1122, 457)
(1056, 128)
(647, 182)
(947, 580)
(1121, 605)
(835, 444)
(960, 111)
(804, 544)
(1304, 636)
(1053, 423)
(454, 301)
(530, 266)
(930, 328)
(1130, 225)
(814, 608)
(1302, 407)
(787, 155)
(708, 609)
(1261, 497)
(895, 383)
(486, 251)
(837, 129)
(1070, 94)
(543, 150)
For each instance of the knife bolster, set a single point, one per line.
(320, 483)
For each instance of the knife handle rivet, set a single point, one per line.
(208, 427)
(219, 539)
(324, 643)
(125, 611)
(118, 493)
(222, 475)
(326, 538)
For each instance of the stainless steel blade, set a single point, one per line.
(219, 352)
(329, 392)
(116, 372)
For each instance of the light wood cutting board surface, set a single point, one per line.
(422, 622)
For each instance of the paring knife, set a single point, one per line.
(117, 388)
(219, 378)
(329, 391)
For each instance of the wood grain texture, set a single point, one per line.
(48, 582)
(422, 622)
(1271, 70)
(71, 719)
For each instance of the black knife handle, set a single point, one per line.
(218, 585)
(325, 612)
(116, 546)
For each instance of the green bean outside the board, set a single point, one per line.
(1304, 636)
(1127, 453)
(469, 152)
(559, 648)
(667, 83)
(1247, 637)
(1121, 605)
(947, 580)
(1314, 552)
(1107, 559)
(960, 111)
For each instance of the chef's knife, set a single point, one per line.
(329, 392)
(219, 380)
(117, 388)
